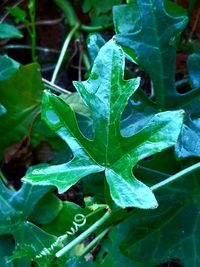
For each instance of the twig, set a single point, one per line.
(63, 51)
(56, 87)
(44, 22)
(194, 25)
(39, 48)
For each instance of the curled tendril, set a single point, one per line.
(79, 220)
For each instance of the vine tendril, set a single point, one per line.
(79, 221)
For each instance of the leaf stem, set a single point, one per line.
(95, 241)
(85, 234)
(176, 177)
(63, 51)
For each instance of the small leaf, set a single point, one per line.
(106, 94)
(18, 13)
(8, 31)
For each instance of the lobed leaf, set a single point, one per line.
(106, 94)
(149, 29)
(15, 208)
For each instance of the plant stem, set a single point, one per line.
(94, 242)
(66, 7)
(195, 24)
(86, 61)
(176, 177)
(107, 215)
(63, 51)
(192, 4)
(55, 87)
(3, 178)
(85, 234)
(33, 29)
(39, 48)
(89, 28)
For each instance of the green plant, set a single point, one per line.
(21, 17)
(136, 156)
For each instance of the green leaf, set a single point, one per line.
(15, 209)
(76, 103)
(8, 67)
(194, 69)
(64, 221)
(31, 240)
(110, 253)
(46, 209)
(94, 43)
(149, 29)
(137, 114)
(16, 206)
(21, 96)
(101, 6)
(8, 31)
(106, 94)
(99, 11)
(167, 232)
(18, 13)
(188, 144)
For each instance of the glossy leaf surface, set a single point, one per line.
(94, 43)
(106, 94)
(149, 29)
(15, 209)
(46, 210)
